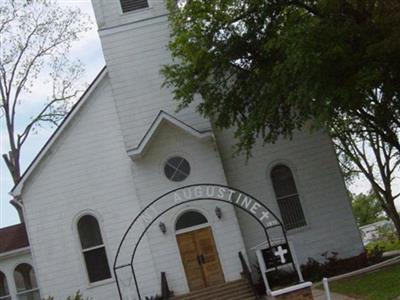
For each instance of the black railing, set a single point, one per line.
(165, 292)
(247, 275)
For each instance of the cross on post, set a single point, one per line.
(281, 253)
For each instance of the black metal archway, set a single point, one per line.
(127, 250)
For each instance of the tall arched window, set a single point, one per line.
(4, 291)
(25, 282)
(93, 249)
(287, 197)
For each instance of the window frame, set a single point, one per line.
(184, 210)
(28, 292)
(83, 251)
(165, 163)
(298, 193)
(25, 292)
(191, 228)
(8, 296)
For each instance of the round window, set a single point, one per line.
(177, 168)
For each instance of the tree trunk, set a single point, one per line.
(12, 162)
(396, 222)
(394, 216)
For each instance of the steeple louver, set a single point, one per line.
(131, 5)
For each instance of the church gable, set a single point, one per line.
(60, 133)
(161, 119)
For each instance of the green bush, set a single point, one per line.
(388, 242)
(383, 245)
(77, 296)
(314, 270)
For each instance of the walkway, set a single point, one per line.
(320, 295)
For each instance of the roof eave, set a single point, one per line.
(140, 150)
(16, 252)
(17, 189)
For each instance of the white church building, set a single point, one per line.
(124, 145)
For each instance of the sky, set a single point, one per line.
(88, 50)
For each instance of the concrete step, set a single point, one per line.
(239, 284)
(235, 290)
(225, 286)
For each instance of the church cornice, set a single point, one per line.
(151, 20)
(164, 117)
(17, 189)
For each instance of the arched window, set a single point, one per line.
(287, 197)
(4, 292)
(93, 249)
(190, 219)
(25, 282)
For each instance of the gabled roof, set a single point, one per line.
(161, 118)
(13, 238)
(17, 189)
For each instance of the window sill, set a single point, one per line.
(101, 283)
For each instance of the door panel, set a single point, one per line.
(209, 257)
(193, 270)
(200, 258)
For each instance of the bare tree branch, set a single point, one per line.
(372, 156)
(36, 37)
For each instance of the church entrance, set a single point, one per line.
(202, 240)
(198, 251)
(200, 258)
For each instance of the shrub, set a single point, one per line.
(77, 296)
(332, 266)
(313, 270)
(383, 246)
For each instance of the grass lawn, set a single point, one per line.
(379, 285)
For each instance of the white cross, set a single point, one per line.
(265, 215)
(281, 253)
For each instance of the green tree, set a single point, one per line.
(365, 153)
(367, 209)
(267, 68)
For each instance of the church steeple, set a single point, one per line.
(112, 13)
(134, 36)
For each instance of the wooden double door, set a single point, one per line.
(200, 258)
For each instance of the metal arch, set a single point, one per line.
(182, 188)
(165, 211)
(130, 264)
(188, 201)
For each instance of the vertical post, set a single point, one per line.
(136, 283)
(164, 287)
(295, 260)
(326, 288)
(263, 270)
